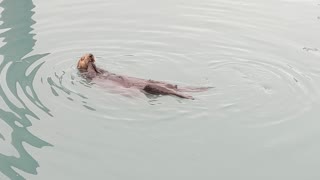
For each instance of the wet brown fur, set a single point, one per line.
(86, 63)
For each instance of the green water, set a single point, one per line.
(19, 42)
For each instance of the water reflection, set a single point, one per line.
(17, 72)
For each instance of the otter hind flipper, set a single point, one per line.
(161, 90)
(154, 89)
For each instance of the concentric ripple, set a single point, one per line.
(142, 47)
(262, 92)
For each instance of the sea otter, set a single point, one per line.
(86, 65)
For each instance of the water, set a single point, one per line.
(261, 121)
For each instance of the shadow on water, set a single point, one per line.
(19, 70)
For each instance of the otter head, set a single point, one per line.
(86, 63)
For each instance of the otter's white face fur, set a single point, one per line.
(85, 60)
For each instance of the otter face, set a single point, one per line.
(85, 60)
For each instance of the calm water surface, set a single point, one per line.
(261, 121)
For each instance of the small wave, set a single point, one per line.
(263, 89)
